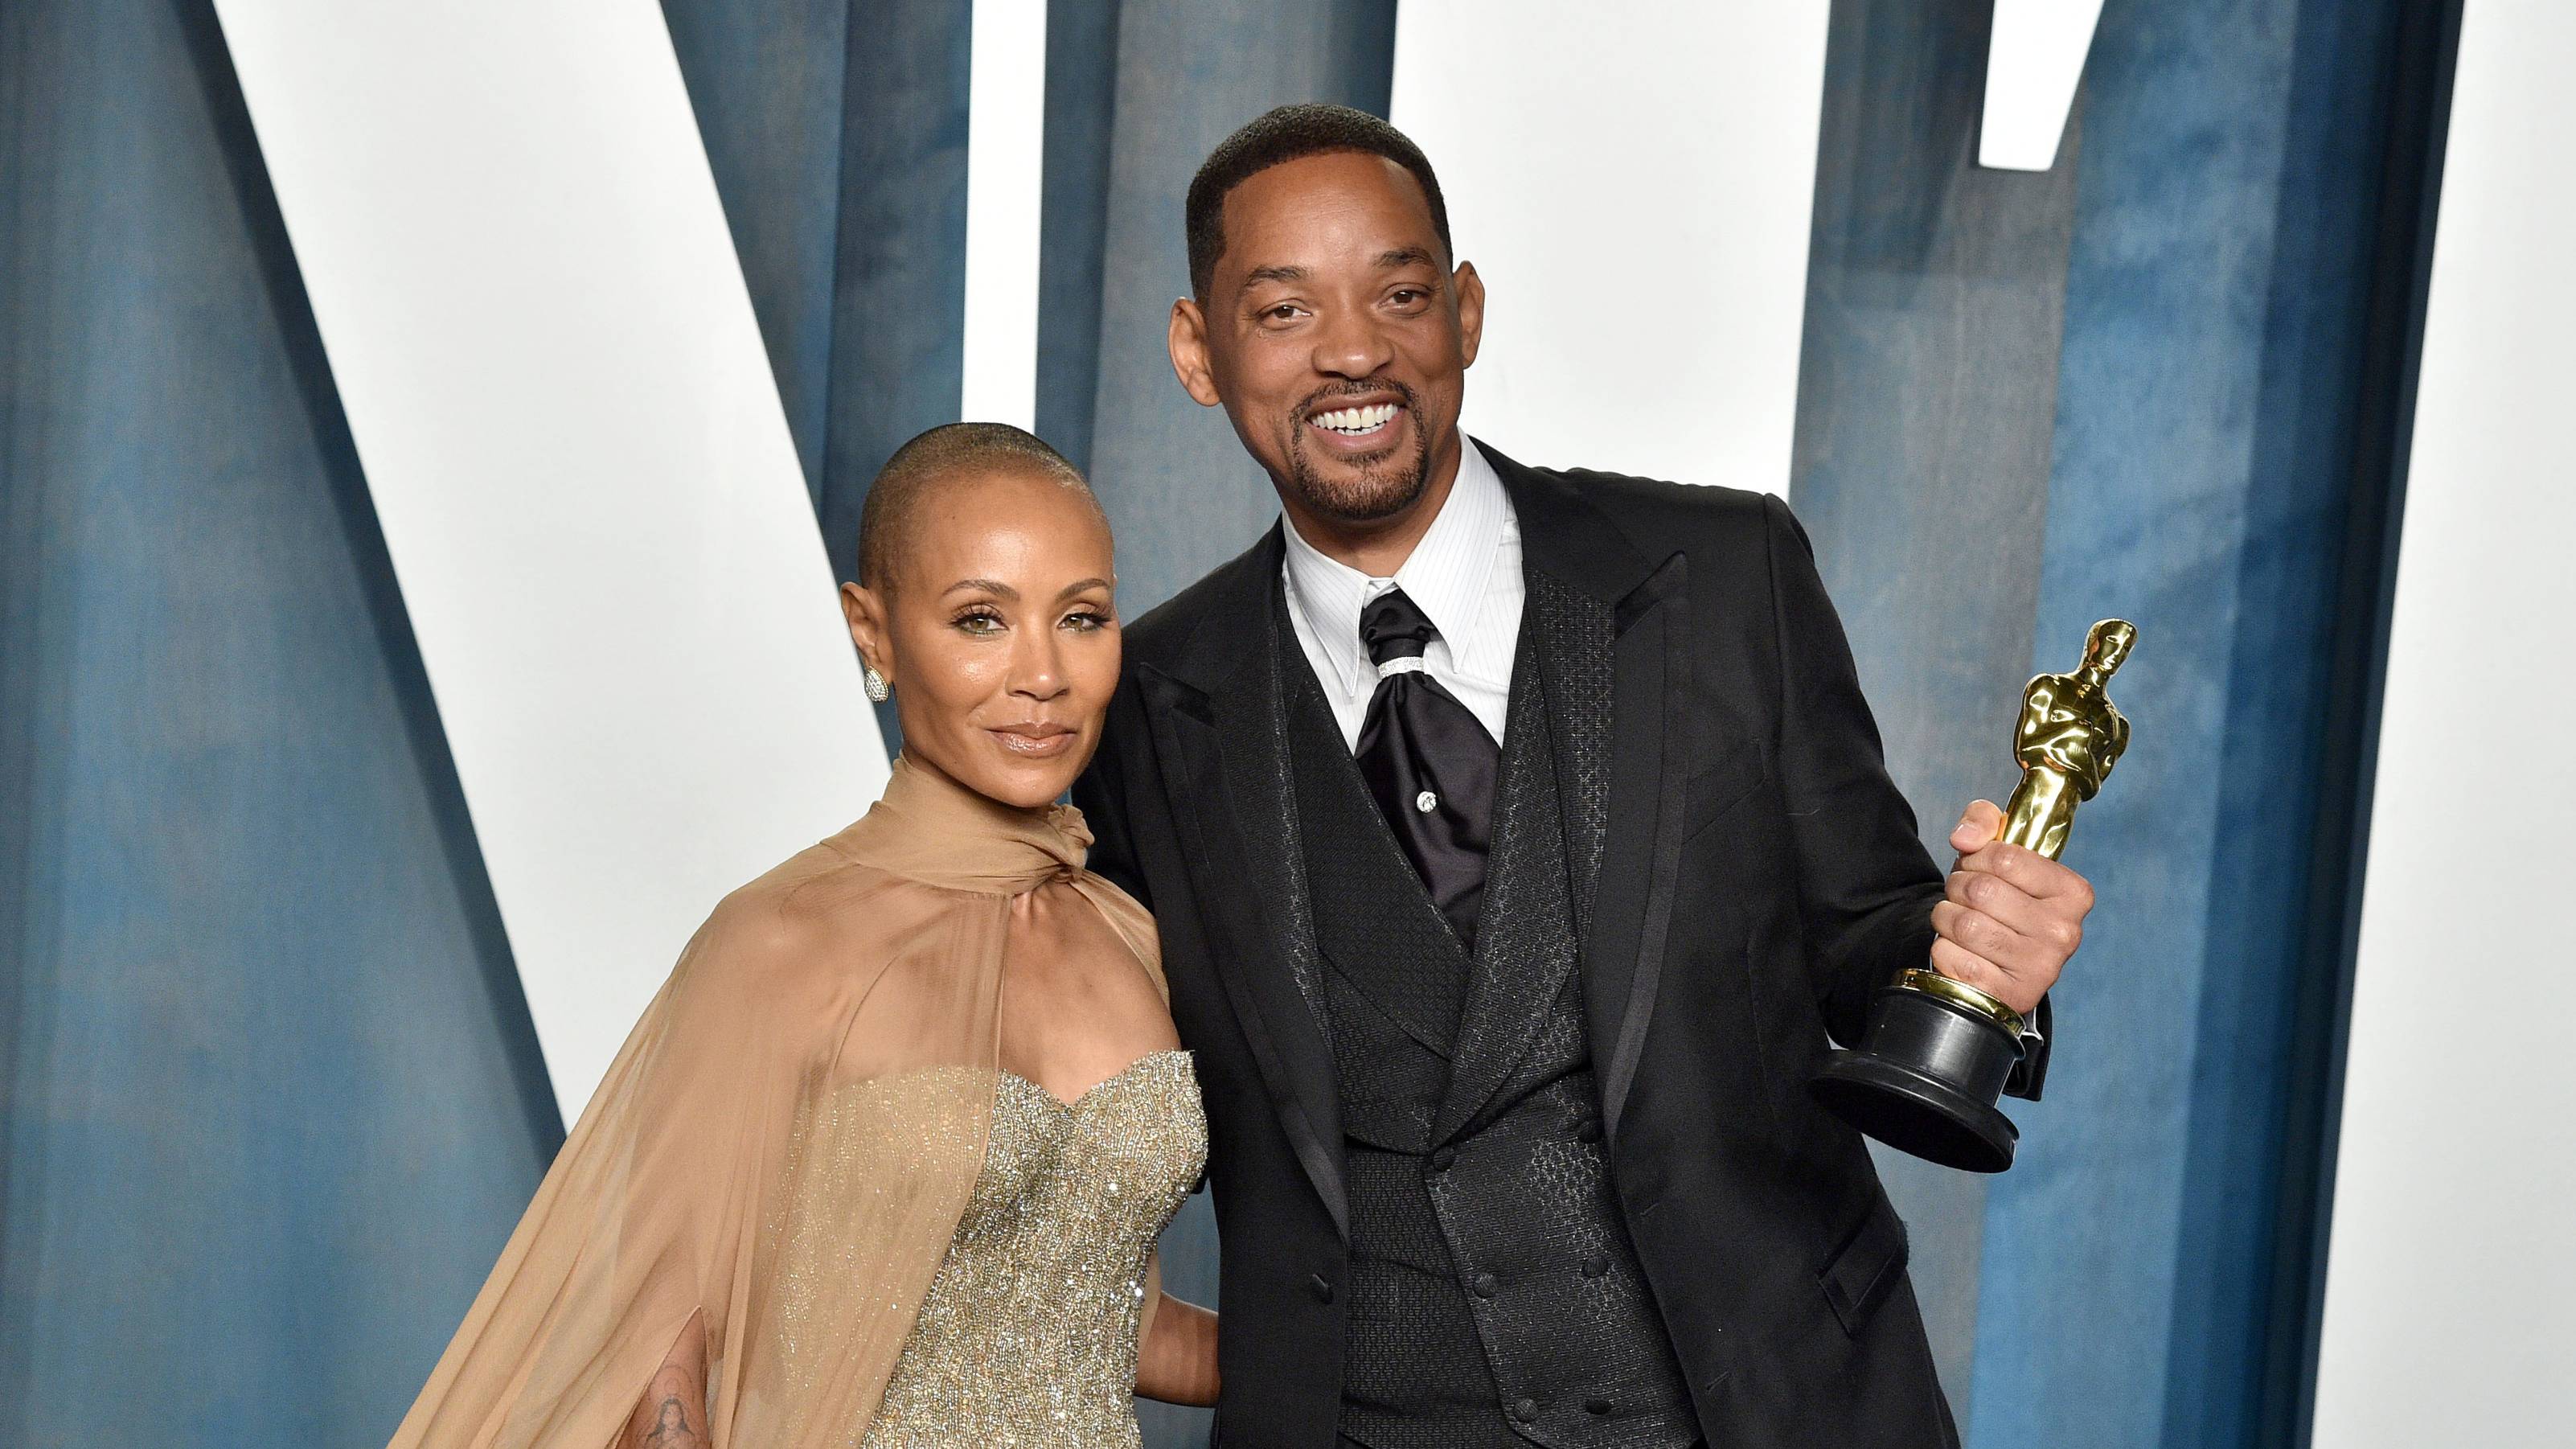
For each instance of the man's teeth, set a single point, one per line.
(1354, 421)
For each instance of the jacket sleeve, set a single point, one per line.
(1866, 884)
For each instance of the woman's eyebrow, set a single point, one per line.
(1080, 586)
(989, 586)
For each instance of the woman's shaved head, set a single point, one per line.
(946, 454)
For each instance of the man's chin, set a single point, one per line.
(1360, 500)
(1359, 490)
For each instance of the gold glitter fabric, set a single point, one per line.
(787, 1145)
(1027, 1339)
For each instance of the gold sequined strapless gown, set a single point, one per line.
(1028, 1336)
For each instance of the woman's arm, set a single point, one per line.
(1176, 1361)
(673, 1412)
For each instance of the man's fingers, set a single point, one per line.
(1961, 964)
(2033, 873)
(1993, 942)
(2049, 922)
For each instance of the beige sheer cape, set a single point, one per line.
(785, 1143)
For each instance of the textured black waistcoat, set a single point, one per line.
(1495, 1298)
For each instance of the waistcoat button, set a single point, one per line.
(1525, 1410)
(1596, 1406)
(1484, 1285)
(1596, 1265)
(1590, 1131)
(1444, 1159)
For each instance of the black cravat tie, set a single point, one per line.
(1428, 762)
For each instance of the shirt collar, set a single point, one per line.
(1446, 575)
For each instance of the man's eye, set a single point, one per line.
(1407, 296)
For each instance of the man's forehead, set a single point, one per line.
(1338, 199)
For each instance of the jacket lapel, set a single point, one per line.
(1522, 956)
(1575, 637)
(1609, 627)
(1223, 746)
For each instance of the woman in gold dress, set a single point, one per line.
(884, 1162)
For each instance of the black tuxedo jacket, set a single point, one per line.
(1752, 878)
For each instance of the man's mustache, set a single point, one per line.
(1316, 401)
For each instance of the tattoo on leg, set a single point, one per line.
(671, 1428)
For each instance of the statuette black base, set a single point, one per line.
(1924, 1081)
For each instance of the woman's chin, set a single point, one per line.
(1030, 783)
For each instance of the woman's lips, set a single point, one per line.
(1034, 741)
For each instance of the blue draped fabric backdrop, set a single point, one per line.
(272, 1098)
(2217, 393)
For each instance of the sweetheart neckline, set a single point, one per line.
(1122, 1074)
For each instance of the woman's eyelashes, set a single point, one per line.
(984, 619)
(979, 619)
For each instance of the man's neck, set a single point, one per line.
(1379, 546)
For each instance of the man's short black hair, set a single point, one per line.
(1291, 133)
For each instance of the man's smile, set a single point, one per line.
(1356, 422)
(1358, 427)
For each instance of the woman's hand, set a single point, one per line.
(1176, 1362)
(673, 1412)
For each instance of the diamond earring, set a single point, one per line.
(875, 683)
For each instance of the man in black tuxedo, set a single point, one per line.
(1517, 839)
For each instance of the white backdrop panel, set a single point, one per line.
(2450, 1313)
(2034, 57)
(1005, 179)
(514, 247)
(1634, 182)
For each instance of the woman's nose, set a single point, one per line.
(1037, 671)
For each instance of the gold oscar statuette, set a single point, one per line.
(1936, 1052)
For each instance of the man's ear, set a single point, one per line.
(1470, 290)
(864, 611)
(1188, 340)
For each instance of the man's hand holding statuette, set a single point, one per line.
(2012, 917)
